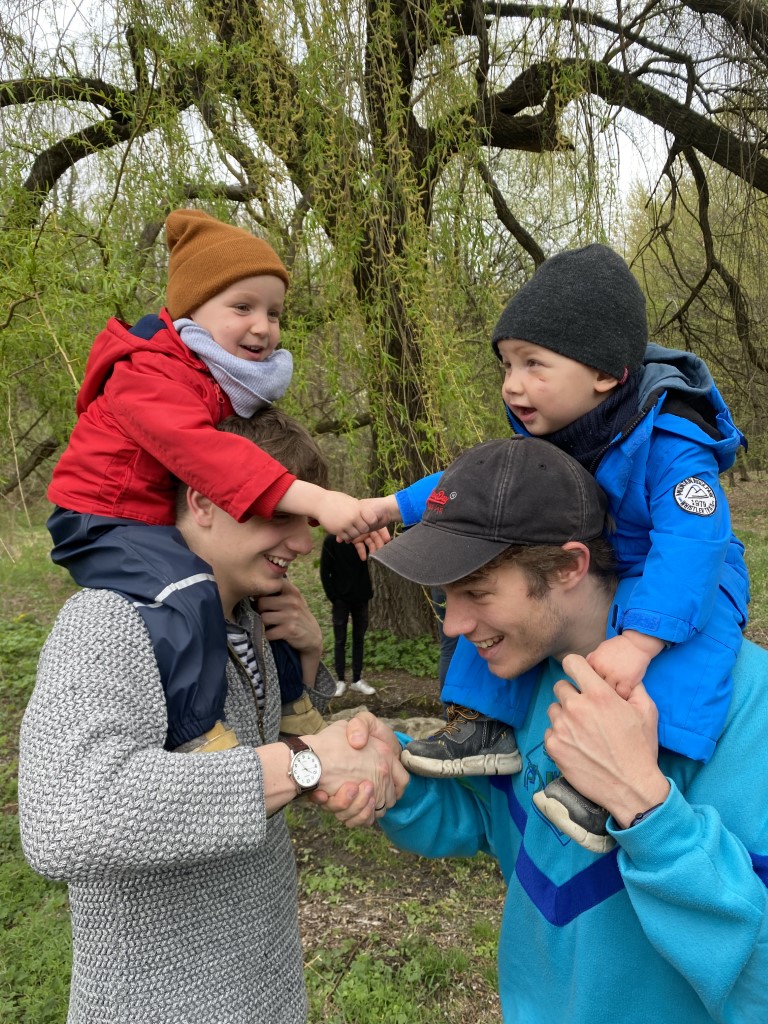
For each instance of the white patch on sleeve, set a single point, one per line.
(695, 496)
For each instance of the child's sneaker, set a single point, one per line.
(574, 815)
(301, 718)
(341, 688)
(220, 737)
(468, 744)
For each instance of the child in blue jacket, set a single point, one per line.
(652, 428)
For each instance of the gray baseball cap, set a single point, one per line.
(520, 490)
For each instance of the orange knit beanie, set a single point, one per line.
(207, 256)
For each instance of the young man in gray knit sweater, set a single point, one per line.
(182, 882)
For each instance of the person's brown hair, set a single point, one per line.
(281, 437)
(285, 440)
(542, 563)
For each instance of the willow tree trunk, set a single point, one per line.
(401, 607)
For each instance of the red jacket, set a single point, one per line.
(147, 414)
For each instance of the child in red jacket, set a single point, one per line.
(148, 410)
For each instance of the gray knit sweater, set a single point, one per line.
(182, 892)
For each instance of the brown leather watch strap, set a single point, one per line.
(294, 743)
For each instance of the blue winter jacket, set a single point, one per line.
(672, 924)
(673, 536)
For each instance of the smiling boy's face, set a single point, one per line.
(248, 559)
(245, 318)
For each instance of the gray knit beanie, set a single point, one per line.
(584, 304)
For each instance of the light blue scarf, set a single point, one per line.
(248, 385)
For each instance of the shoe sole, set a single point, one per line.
(481, 764)
(559, 816)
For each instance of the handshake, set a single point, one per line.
(362, 774)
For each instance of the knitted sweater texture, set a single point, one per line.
(182, 891)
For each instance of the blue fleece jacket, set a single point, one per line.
(672, 924)
(673, 537)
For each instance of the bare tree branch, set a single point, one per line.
(750, 19)
(79, 90)
(736, 294)
(43, 450)
(507, 218)
(342, 426)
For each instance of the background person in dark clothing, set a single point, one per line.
(347, 585)
(447, 643)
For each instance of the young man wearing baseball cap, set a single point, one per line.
(148, 410)
(649, 424)
(674, 919)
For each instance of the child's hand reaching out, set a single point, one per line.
(339, 513)
(349, 519)
(380, 512)
(383, 511)
(344, 515)
(622, 661)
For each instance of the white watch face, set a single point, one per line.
(306, 769)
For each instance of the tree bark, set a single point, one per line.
(399, 606)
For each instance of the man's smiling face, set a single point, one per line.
(511, 630)
(249, 559)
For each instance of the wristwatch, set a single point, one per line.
(643, 815)
(305, 769)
